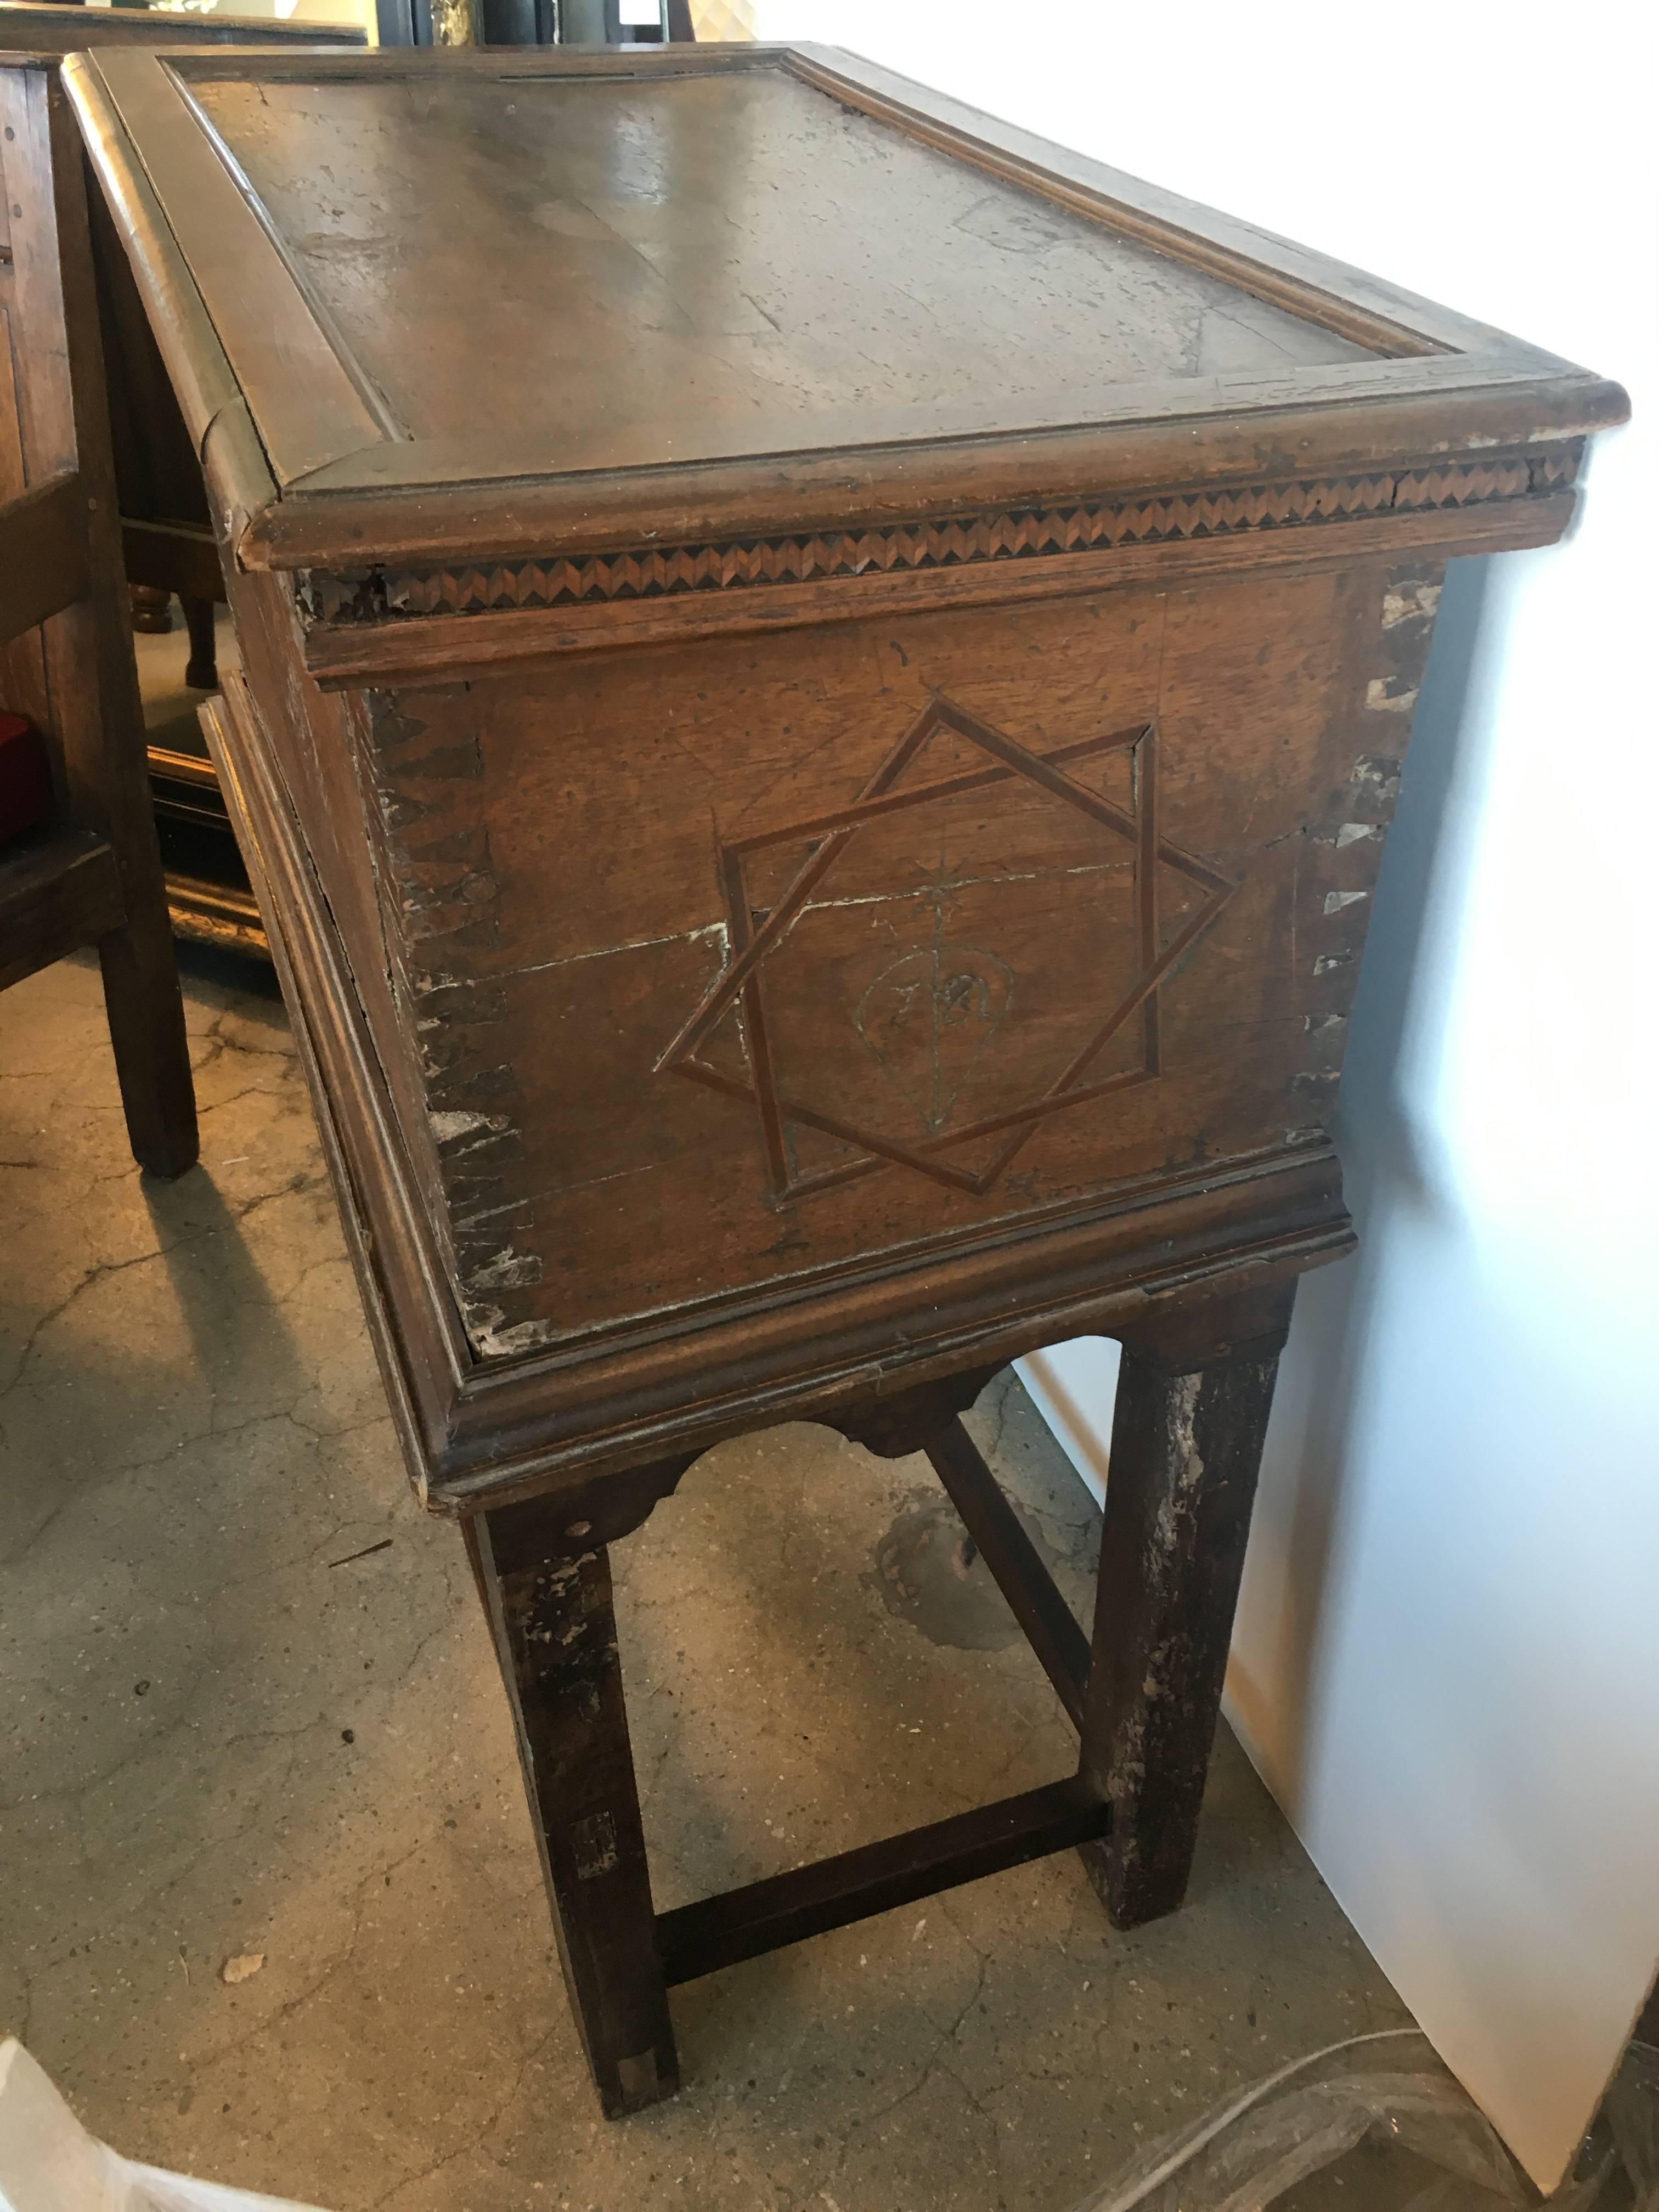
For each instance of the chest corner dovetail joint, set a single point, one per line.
(798, 881)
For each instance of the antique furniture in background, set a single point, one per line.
(527, 23)
(167, 536)
(836, 856)
(90, 874)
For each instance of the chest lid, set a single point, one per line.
(518, 300)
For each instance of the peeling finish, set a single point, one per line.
(429, 784)
(1410, 602)
(1382, 698)
(449, 1125)
(506, 1270)
(496, 1339)
(1335, 901)
(1377, 775)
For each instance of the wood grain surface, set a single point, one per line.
(736, 965)
(706, 266)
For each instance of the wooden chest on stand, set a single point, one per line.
(824, 682)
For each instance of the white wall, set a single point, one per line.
(1447, 1664)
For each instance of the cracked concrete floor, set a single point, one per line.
(223, 1734)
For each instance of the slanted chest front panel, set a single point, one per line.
(743, 960)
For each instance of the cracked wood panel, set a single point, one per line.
(703, 267)
(565, 866)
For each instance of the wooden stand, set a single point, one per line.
(1192, 1412)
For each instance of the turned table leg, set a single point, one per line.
(201, 669)
(546, 1587)
(152, 609)
(1193, 1398)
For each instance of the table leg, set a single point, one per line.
(201, 669)
(152, 609)
(546, 1589)
(1193, 1398)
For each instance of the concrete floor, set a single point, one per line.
(220, 1733)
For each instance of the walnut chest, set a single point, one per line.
(823, 685)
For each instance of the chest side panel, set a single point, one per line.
(747, 961)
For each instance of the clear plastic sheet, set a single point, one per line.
(1384, 2119)
(49, 2163)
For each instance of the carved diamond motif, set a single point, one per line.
(932, 1017)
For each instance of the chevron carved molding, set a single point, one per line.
(1034, 533)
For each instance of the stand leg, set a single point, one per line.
(201, 669)
(1193, 1398)
(546, 1588)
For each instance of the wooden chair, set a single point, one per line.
(167, 531)
(92, 875)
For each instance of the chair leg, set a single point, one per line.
(547, 1593)
(141, 976)
(201, 669)
(152, 1052)
(1193, 1398)
(92, 680)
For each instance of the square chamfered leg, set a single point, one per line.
(1194, 1394)
(542, 1573)
(545, 1581)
